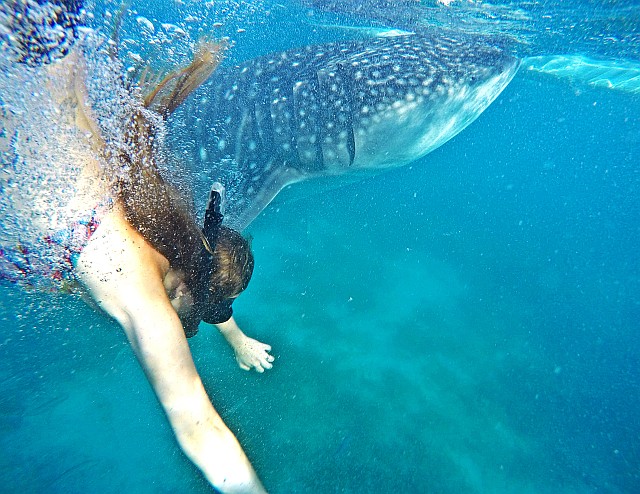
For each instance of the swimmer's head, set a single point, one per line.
(223, 268)
(225, 272)
(226, 261)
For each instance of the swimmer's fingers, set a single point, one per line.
(254, 355)
(262, 360)
(256, 364)
(265, 361)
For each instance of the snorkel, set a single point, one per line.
(212, 220)
(204, 309)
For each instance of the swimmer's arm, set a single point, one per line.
(250, 353)
(120, 273)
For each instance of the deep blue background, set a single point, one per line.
(464, 324)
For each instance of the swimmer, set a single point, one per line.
(134, 248)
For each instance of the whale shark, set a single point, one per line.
(332, 109)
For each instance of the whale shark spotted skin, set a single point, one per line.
(332, 109)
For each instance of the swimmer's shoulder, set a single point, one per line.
(117, 240)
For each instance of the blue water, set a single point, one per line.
(466, 324)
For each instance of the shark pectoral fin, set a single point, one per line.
(254, 204)
(604, 73)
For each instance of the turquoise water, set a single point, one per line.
(464, 324)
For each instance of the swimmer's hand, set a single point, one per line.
(250, 353)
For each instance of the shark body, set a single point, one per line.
(333, 109)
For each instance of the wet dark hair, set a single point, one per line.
(233, 265)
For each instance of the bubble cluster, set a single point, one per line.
(44, 152)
